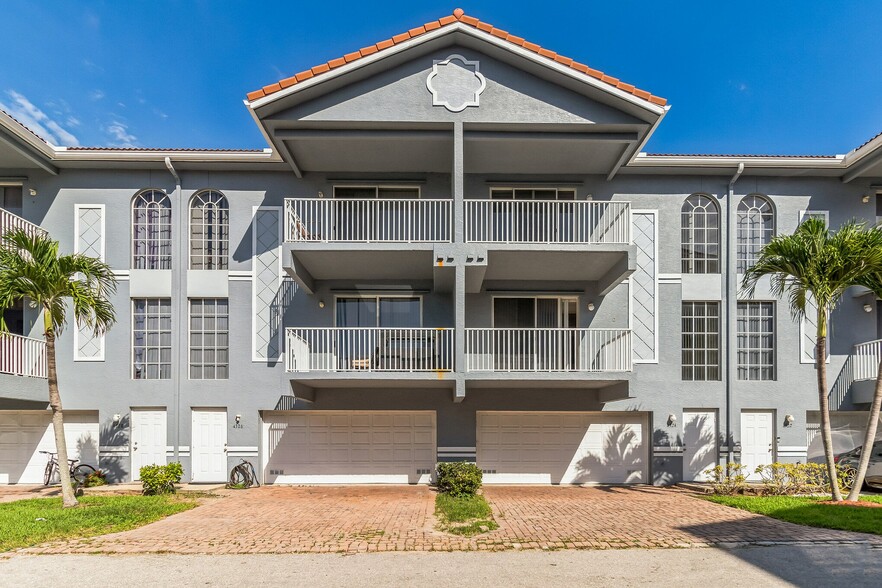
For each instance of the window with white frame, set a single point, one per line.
(151, 230)
(701, 341)
(209, 231)
(378, 191)
(756, 227)
(151, 339)
(533, 193)
(209, 338)
(700, 235)
(756, 340)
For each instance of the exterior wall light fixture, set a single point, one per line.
(868, 307)
(865, 199)
(321, 303)
(788, 420)
(672, 420)
(590, 307)
(238, 418)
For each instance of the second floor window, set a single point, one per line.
(756, 227)
(700, 235)
(209, 231)
(756, 340)
(151, 230)
(151, 339)
(209, 338)
(701, 341)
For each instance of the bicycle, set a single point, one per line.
(243, 476)
(78, 473)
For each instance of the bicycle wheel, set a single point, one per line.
(49, 473)
(238, 476)
(81, 472)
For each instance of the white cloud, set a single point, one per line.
(119, 132)
(96, 94)
(38, 121)
(72, 121)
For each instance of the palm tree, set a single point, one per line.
(874, 283)
(817, 264)
(32, 269)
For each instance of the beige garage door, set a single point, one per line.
(24, 433)
(348, 447)
(563, 447)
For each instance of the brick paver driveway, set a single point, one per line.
(282, 519)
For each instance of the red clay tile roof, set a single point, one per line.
(458, 16)
(24, 127)
(868, 141)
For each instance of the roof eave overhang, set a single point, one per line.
(644, 160)
(266, 155)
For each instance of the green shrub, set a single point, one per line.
(96, 478)
(458, 478)
(728, 480)
(161, 479)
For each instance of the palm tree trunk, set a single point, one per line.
(869, 438)
(824, 403)
(68, 498)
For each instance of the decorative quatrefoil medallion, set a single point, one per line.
(456, 83)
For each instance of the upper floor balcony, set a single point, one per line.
(10, 221)
(548, 222)
(364, 238)
(548, 240)
(22, 356)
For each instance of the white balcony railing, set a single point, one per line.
(22, 356)
(547, 221)
(548, 350)
(364, 349)
(380, 220)
(866, 360)
(9, 221)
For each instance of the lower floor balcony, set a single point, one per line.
(548, 350)
(22, 356)
(369, 349)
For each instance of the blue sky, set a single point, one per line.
(742, 77)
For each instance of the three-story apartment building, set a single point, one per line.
(454, 247)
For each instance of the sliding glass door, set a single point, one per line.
(535, 333)
(378, 332)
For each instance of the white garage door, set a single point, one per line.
(563, 447)
(343, 447)
(24, 433)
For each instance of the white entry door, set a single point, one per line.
(149, 434)
(757, 440)
(209, 445)
(700, 441)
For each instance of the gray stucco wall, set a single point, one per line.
(398, 95)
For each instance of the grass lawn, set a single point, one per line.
(809, 511)
(464, 515)
(28, 522)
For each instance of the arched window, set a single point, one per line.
(700, 235)
(209, 231)
(151, 230)
(756, 227)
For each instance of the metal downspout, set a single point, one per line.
(731, 302)
(176, 286)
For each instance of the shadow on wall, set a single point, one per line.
(621, 459)
(115, 435)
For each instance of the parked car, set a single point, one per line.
(874, 469)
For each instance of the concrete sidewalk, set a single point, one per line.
(818, 565)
